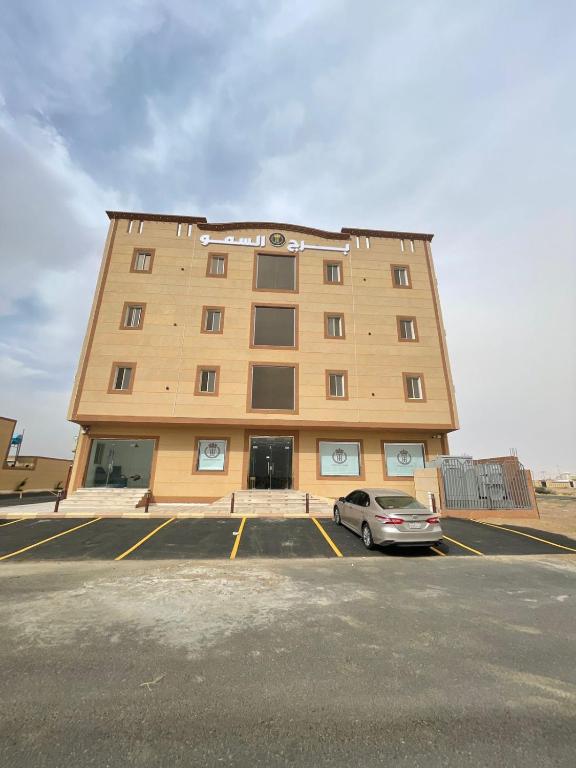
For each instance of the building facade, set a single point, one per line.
(260, 355)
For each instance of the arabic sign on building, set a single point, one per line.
(211, 455)
(403, 458)
(340, 459)
(259, 241)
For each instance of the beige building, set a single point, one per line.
(221, 357)
(28, 473)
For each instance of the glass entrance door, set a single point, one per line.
(270, 463)
(119, 464)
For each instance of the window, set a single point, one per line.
(273, 387)
(133, 316)
(413, 386)
(207, 380)
(122, 378)
(334, 326)
(339, 459)
(273, 326)
(142, 260)
(213, 320)
(401, 459)
(211, 455)
(275, 272)
(217, 265)
(337, 385)
(407, 329)
(333, 272)
(401, 276)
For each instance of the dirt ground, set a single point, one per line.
(557, 515)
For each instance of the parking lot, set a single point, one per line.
(243, 538)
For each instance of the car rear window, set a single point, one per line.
(398, 502)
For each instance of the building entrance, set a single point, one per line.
(270, 463)
(119, 464)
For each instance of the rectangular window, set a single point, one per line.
(207, 381)
(211, 455)
(333, 272)
(413, 386)
(273, 388)
(334, 326)
(275, 272)
(133, 315)
(401, 459)
(213, 320)
(337, 385)
(217, 265)
(339, 459)
(122, 378)
(401, 276)
(142, 260)
(407, 329)
(274, 326)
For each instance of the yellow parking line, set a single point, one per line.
(14, 521)
(464, 546)
(328, 539)
(139, 543)
(50, 538)
(438, 552)
(237, 541)
(528, 535)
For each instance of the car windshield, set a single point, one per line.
(398, 502)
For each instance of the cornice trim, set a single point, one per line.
(387, 233)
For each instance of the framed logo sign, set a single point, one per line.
(339, 459)
(211, 455)
(277, 239)
(403, 458)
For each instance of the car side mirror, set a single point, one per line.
(342, 498)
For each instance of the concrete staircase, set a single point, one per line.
(270, 504)
(102, 501)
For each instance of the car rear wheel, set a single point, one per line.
(337, 518)
(367, 536)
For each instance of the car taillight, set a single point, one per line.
(433, 520)
(390, 520)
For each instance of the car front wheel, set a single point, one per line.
(337, 518)
(367, 536)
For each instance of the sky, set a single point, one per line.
(439, 116)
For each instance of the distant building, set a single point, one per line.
(28, 473)
(257, 355)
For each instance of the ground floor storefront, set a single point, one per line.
(202, 463)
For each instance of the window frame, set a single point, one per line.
(413, 375)
(114, 372)
(342, 373)
(409, 276)
(267, 364)
(404, 318)
(328, 315)
(212, 255)
(333, 262)
(135, 253)
(253, 307)
(198, 381)
(404, 478)
(345, 478)
(216, 472)
(210, 308)
(126, 306)
(295, 256)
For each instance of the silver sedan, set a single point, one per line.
(384, 516)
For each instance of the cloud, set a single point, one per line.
(423, 116)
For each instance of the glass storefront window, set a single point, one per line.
(211, 455)
(339, 459)
(403, 458)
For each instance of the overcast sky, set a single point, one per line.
(440, 116)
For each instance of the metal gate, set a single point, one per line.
(484, 484)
